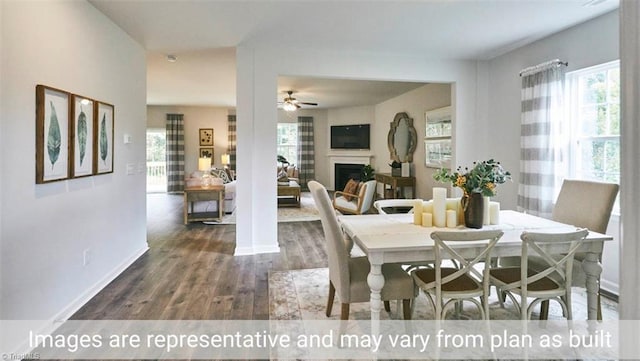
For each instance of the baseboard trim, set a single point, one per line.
(610, 295)
(248, 251)
(76, 304)
(609, 287)
(48, 327)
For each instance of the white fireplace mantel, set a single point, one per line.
(348, 158)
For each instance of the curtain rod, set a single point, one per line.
(543, 66)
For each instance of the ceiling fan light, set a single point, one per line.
(289, 107)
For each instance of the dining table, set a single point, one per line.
(394, 238)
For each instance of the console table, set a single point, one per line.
(397, 184)
(203, 194)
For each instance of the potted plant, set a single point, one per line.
(367, 173)
(476, 183)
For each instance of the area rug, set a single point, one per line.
(302, 295)
(306, 212)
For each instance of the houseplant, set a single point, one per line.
(367, 173)
(478, 182)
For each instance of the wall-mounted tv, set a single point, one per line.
(354, 136)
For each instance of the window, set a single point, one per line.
(288, 141)
(594, 110)
(156, 160)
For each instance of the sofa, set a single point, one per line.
(216, 177)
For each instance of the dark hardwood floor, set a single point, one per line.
(190, 273)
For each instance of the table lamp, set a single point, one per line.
(225, 159)
(204, 164)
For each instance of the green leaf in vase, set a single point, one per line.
(104, 142)
(53, 137)
(82, 134)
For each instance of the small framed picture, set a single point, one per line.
(81, 136)
(206, 136)
(52, 134)
(206, 153)
(103, 138)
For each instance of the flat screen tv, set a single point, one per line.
(354, 136)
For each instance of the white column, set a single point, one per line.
(630, 162)
(256, 194)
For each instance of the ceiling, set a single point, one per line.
(203, 35)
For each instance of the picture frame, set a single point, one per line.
(81, 136)
(437, 140)
(206, 136)
(206, 152)
(52, 134)
(103, 133)
(438, 152)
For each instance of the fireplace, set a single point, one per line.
(344, 172)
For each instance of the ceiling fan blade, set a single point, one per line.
(307, 103)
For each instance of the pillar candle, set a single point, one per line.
(439, 207)
(494, 212)
(452, 203)
(427, 220)
(417, 212)
(427, 207)
(485, 219)
(452, 218)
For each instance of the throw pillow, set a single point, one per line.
(350, 188)
(222, 174)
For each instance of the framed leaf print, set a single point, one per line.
(103, 138)
(206, 153)
(81, 136)
(206, 136)
(52, 134)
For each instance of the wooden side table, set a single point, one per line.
(397, 184)
(203, 194)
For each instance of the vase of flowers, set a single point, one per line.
(476, 183)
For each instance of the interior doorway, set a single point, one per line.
(156, 161)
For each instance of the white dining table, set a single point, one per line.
(393, 238)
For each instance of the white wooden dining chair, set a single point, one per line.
(383, 205)
(457, 284)
(348, 275)
(552, 282)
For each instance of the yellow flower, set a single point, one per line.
(460, 182)
(491, 186)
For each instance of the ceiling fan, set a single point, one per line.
(290, 103)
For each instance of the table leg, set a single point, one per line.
(592, 269)
(186, 208)
(376, 282)
(220, 205)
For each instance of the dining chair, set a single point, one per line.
(462, 283)
(382, 205)
(584, 204)
(542, 284)
(348, 275)
(358, 203)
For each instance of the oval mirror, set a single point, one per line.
(402, 138)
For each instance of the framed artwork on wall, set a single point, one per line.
(206, 153)
(81, 129)
(103, 138)
(206, 136)
(52, 134)
(437, 140)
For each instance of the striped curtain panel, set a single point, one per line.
(231, 148)
(306, 151)
(540, 130)
(175, 153)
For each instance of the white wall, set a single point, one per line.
(415, 103)
(258, 70)
(194, 119)
(45, 228)
(591, 43)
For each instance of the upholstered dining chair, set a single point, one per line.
(358, 203)
(463, 282)
(584, 204)
(348, 275)
(542, 283)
